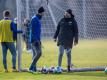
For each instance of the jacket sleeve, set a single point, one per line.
(57, 31)
(75, 31)
(33, 28)
(14, 28)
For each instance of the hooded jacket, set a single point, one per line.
(67, 32)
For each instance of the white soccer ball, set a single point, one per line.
(44, 70)
(51, 69)
(58, 70)
(105, 70)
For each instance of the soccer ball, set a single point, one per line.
(58, 70)
(105, 70)
(44, 70)
(51, 69)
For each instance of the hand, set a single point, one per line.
(55, 40)
(75, 43)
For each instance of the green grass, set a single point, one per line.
(86, 54)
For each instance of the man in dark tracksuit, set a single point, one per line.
(67, 33)
(36, 38)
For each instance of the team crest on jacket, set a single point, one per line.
(70, 22)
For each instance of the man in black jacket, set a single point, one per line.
(67, 33)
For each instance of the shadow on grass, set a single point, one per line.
(97, 74)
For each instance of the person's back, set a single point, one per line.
(6, 35)
(7, 29)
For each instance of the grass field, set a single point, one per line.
(86, 54)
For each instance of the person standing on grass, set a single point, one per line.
(67, 33)
(7, 29)
(36, 38)
(15, 34)
(26, 34)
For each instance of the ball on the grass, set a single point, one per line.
(51, 69)
(44, 70)
(106, 70)
(58, 70)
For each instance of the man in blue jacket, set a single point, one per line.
(36, 38)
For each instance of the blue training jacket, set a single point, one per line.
(35, 29)
(14, 29)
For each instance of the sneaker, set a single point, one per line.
(6, 71)
(68, 69)
(29, 51)
(15, 70)
(32, 69)
(72, 65)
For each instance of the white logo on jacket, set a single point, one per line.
(70, 22)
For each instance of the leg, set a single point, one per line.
(38, 51)
(68, 53)
(61, 52)
(12, 49)
(34, 53)
(33, 56)
(4, 52)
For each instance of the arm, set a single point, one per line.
(75, 33)
(57, 32)
(14, 28)
(34, 25)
